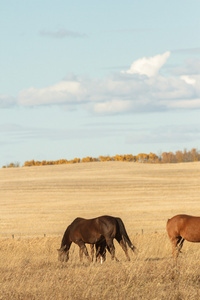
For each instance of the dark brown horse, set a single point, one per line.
(99, 231)
(180, 228)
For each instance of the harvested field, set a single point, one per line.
(38, 203)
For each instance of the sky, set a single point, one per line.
(90, 78)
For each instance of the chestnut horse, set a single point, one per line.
(99, 231)
(180, 228)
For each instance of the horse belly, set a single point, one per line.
(191, 234)
(91, 238)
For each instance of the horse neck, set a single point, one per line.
(66, 241)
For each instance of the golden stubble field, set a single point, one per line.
(38, 203)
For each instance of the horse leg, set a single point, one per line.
(175, 247)
(81, 254)
(92, 251)
(174, 243)
(181, 244)
(111, 247)
(104, 257)
(102, 251)
(84, 249)
(98, 253)
(124, 247)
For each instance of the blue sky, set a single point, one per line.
(90, 78)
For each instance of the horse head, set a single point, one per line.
(63, 254)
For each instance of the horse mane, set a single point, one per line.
(65, 237)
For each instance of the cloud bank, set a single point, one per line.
(142, 88)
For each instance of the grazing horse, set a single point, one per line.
(99, 231)
(180, 228)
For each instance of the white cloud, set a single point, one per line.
(189, 103)
(148, 66)
(114, 106)
(188, 79)
(116, 94)
(119, 93)
(63, 92)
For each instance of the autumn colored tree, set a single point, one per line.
(195, 155)
(12, 165)
(88, 159)
(29, 163)
(117, 158)
(166, 157)
(130, 157)
(179, 156)
(62, 161)
(76, 160)
(153, 158)
(142, 157)
(105, 158)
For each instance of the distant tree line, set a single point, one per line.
(47, 163)
(12, 165)
(165, 157)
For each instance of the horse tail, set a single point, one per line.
(124, 234)
(168, 224)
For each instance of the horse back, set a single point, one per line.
(92, 230)
(177, 222)
(185, 226)
(103, 221)
(108, 224)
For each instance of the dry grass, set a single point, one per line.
(39, 200)
(30, 270)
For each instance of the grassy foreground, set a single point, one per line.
(37, 204)
(30, 270)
